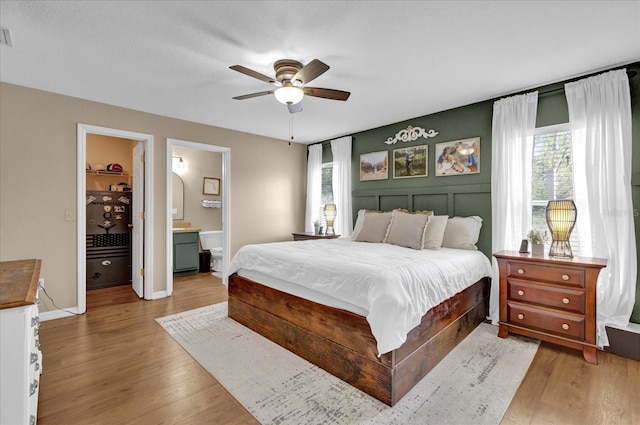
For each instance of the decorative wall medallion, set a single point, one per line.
(410, 134)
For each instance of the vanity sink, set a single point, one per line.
(184, 227)
(186, 230)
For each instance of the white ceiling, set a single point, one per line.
(399, 59)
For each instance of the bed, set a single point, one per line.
(286, 291)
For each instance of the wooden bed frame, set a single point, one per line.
(341, 342)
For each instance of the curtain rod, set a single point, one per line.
(631, 73)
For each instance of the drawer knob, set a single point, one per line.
(565, 326)
(520, 316)
(565, 277)
(565, 300)
(520, 271)
(520, 292)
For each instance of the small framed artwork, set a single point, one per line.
(374, 166)
(410, 162)
(458, 157)
(211, 186)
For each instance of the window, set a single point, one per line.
(326, 196)
(552, 177)
(326, 192)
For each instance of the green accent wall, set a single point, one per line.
(470, 194)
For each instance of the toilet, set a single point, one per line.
(212, 241)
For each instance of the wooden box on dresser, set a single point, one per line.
(20, 356)
(550, 299)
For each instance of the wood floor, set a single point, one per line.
(116, 365)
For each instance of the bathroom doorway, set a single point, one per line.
(200, 173)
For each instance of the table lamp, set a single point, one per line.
(330, 217)
(561, 218)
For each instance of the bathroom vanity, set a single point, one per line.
(186, 245)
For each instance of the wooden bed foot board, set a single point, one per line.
(341, 342)
(368, 375)
(416, 366)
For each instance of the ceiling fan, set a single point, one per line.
(292, 79)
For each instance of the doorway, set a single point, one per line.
(203, 201)
(141, 258)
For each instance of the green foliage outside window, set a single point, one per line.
(327, 188)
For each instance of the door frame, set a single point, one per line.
(147, 139)
(226, 197)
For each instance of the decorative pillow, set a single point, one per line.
(434, 232)
(374, 226)
(462, 232)
(407, 229)
(359, 221)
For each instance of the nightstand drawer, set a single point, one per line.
(546, 295)
(546, 272)
(548, 321)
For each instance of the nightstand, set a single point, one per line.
(306, 236)
(550, 299)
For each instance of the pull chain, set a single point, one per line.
(290, 128)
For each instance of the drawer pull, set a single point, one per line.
(565, 300)
(520, 316)
(520, 271)
(565, 277)
(33, 387)
(565, 326)
(520, 292)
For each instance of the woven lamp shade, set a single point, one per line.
(561, 218)
(330, 213)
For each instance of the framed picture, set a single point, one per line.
(211, 186)
(458, 157)
(374, 166)
(410, 162)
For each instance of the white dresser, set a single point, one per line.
(20, 355)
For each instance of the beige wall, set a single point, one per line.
(38, 181)
(199, 164)
(106, 150)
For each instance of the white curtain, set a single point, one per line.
(513, 127)
(341, 150)
(314, 186)
(600, 118)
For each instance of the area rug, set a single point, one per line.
(474, 384)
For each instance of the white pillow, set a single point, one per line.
(462, 232)
(407, 229)
(434, 231)
(374, 227)
(358, 227)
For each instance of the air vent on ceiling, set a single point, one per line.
(5, 37)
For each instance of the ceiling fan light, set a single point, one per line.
(289, 95)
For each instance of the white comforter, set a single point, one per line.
(395, 285)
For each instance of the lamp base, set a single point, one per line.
(560, 249)
(330, 231)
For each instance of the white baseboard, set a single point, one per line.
(57, 314)
(158, 295)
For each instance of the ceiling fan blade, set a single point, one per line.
(297, 107)
(254, 74)
(249, 96)
(310, 71)
(326, 93)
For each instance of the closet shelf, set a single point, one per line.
(106, 173)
